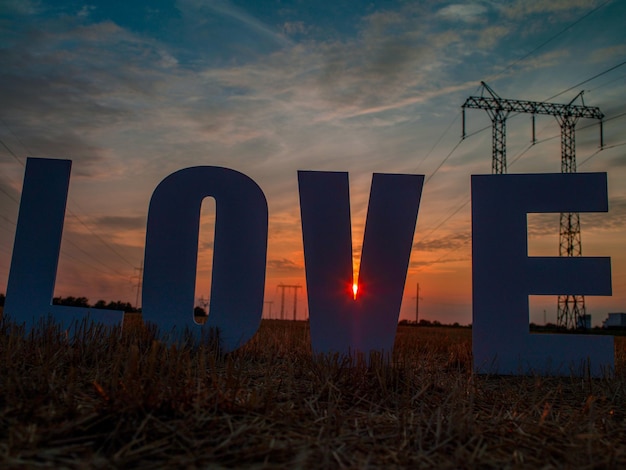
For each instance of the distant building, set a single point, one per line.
(584, 321)
(615, 320)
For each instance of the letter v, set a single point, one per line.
(340, 322)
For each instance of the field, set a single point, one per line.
(122, 399)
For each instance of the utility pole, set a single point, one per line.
(283, 287)
(295, 300)
(417, 303)
(571, 308)
(282, 302)
(139, 280)
(269, 315)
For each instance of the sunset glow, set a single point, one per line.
(277, 87)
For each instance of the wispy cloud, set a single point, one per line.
(447, 242)
(524, 8)
(196, 8)
(284, 265)
(465, 12)
(268, 95)
(113, 222)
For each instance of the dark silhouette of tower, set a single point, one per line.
(571, 308)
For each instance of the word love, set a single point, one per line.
(503, 273)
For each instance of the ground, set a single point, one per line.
(123, 399)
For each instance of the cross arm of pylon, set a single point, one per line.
(532, 107)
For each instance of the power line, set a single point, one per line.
(69, 255)
(440, 224)
(588, 80)
(524, 57)
(552, 38)
(6, 193)
(606, 147)
(72, 213)
(16, 138)
(443, 161)
(445, 255)
(69, 211)
(11, 152)
(622, 77)
(89, 255)
(466, 202)
(521, 154)
(104, 242)
(65, 253)
(71, 243)
(438, 142)
(587, 126)
(515, 159)
(604, 72)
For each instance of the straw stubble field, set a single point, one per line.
(111, 399)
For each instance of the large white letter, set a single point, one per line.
(503, 274)
(36, 250)
(240, 248)
(341, 322)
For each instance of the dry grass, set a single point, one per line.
(124, 400)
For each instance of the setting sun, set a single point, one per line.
(355, 289)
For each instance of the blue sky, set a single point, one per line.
(132, 91)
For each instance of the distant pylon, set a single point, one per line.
(498, 111)
(282, 300)
(139, 279)
(571, 308)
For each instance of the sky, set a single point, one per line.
(133, 91)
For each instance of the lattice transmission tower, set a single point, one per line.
(571, 308)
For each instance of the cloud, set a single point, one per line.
(269, 98)
(293, 28)
(21, 7)
(523, 8)
(86, 10)
(490, 36)
(547, 224)
(284, 265)
(64, 89)
(205, 246)
(447, 242)
(464, 12)
(196, 12)
(112, 222)
(614, 220)
(376, 69)
(424, 264)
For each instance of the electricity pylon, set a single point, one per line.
(282, 300)
(571, 308)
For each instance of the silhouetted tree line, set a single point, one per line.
(84, 302)
(100, 304)
(424, 322)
